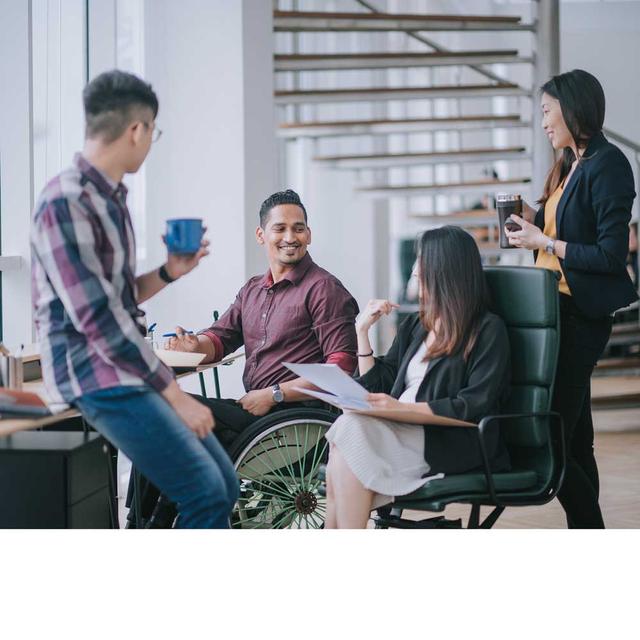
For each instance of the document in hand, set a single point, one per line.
(342, 391)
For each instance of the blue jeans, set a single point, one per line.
(197, 475)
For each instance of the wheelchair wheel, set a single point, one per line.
(277, 460)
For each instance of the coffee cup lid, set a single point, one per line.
(508, 197)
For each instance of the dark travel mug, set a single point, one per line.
(506, 205)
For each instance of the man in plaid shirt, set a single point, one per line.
(86, 298)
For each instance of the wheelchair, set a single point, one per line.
(277, 458)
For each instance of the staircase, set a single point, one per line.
(471, 107)
(432, 114)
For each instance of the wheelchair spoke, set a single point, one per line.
(315, 451)
(305, 454)
(275, 472)
(294, 477)
(289, 465)
(268, 483)
(316, 466)
(318, 522)
(273, 492)
(282, 487)
(264, 460)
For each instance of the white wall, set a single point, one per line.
(210, 64)
(604, 39)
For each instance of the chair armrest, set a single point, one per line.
(556, 420)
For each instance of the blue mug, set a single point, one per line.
(184, 235)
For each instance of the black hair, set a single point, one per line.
(454, 290)
(280, 197)
(111, 101)
(582, 104)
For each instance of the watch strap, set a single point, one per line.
(164, 275)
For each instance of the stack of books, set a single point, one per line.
(21, 404)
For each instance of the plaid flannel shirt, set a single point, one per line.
(84, 291)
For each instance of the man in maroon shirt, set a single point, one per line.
(296, 312)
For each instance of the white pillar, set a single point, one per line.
(547, 64)
(211, 66)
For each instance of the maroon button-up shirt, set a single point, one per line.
(307, 317)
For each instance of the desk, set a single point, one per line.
(14, 425)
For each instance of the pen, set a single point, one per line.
(152, 327)
(175, 335)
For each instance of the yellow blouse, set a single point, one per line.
(545, 260)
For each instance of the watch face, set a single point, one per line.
(278, 396)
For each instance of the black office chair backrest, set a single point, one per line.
(526, 299)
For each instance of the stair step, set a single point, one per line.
(316, 96)
(625, 327)
(627, 338)
(345, 21)
(325, 62)
(477, 186)
(471, 218)
(615, 391)
(417, 159)
(334, 128)
(617, 366)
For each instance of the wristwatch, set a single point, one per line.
(277, 394)
(550, 247)
(164, 275)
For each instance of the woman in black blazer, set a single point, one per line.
(581, 231)
(451, 359)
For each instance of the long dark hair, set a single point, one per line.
(582, 103)
(453, 289)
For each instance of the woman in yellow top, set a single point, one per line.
(581, 231)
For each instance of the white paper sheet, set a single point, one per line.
(331, 378)
(345, 393)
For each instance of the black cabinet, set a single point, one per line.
(55, 480)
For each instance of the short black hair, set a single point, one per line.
(111, 101)
(280, 197)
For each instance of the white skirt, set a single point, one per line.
(387, 457)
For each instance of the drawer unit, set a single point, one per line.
(54, 479)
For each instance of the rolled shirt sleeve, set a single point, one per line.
(334, 312)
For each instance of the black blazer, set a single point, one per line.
(454, 388)
(593, 218)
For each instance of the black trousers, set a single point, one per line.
(582, 341)
(231, 419)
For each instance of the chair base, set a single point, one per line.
(388, 518)
(437, 522)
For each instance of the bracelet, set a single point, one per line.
(365, 355)
(164, 275)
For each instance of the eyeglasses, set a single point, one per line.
(156, 132)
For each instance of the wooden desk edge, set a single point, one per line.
(13, 425)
